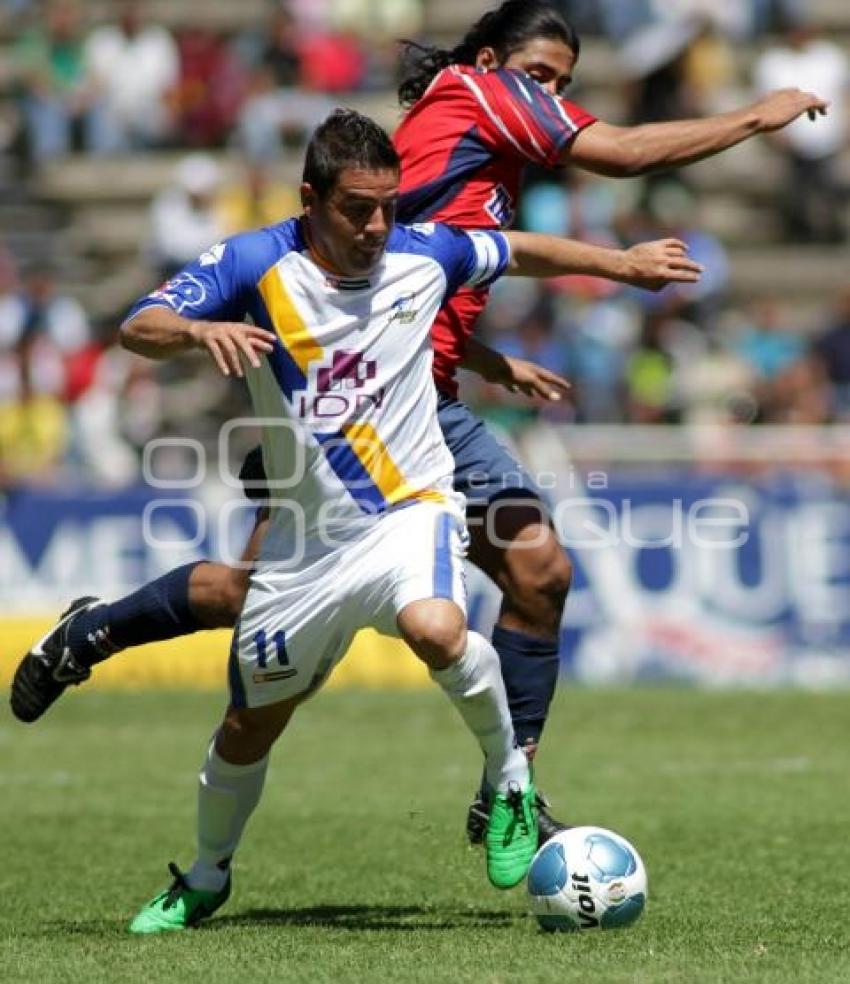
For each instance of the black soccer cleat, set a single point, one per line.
(476, 819)
(547, 825)
(479, 813)
(49, 667)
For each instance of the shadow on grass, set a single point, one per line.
(358, 918)
(398, 918)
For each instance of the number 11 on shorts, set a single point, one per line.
(279, 642)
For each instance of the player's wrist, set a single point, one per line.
(754, 118)
(192, 332)
(625, 265)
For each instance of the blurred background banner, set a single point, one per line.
(705, 571)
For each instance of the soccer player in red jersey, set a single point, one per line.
(477, 116)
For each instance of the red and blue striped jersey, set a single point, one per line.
(464, 145)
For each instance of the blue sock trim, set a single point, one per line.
(530, 669)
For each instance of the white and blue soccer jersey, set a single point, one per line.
(346, 397)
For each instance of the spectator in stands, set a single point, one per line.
(210, 89)
(59, 106)
(42, 330)
(271, 118)
(135, 68)
(716, 386)
(767, 342)
(333, 61)
(655, 58)
(600, 332)
(185, 217)
(533, 338)
(813, 196)
(621, 20)
(674, 211)
(768, 15)
(790, 384)
(650, 375)
(832, 348)
(257, 199)
(281, 108)
(281, 49)
(378, 26)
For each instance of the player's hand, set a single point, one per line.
(778, 109)
(654, 265)
(521, 376)
(226, 341)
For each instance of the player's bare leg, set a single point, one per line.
(517, 548)
(203, 595)
(466, 667)
(229, 788)
(216, 591)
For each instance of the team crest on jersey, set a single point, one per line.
(403, 311)
(500, 206)
(181, 292)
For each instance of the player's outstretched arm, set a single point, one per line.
(651, 265)
(516, 375)
(621, 152)
(159, 333)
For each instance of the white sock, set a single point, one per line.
(227, 796)
(474, 685)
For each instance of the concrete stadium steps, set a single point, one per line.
(108, 289)
(110, 232)
(809, 273)
(224, 15)
(831, 15)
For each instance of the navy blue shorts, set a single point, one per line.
(484, 469)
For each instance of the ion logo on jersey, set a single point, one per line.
(348, 370)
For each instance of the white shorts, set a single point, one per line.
(297, 624)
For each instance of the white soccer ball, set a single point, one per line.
(587, 878)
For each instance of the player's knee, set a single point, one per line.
(558, 576)
(246, 736)
(539, 582)
(435, 631)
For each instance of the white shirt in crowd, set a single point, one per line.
(820, 67)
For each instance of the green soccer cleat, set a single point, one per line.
(511, 838)
(179, 907)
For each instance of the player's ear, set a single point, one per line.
(486, 59)
(308, 197)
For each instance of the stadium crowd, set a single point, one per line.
(78, 78)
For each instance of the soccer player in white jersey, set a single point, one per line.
(368, 530)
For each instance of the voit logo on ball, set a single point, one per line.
(587, 878)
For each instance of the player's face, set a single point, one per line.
(350, 227)
(547, 60)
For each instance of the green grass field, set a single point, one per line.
(355, 867)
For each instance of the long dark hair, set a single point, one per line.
(505, 30)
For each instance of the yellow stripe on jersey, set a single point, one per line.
(288, 323)
(384, 472)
